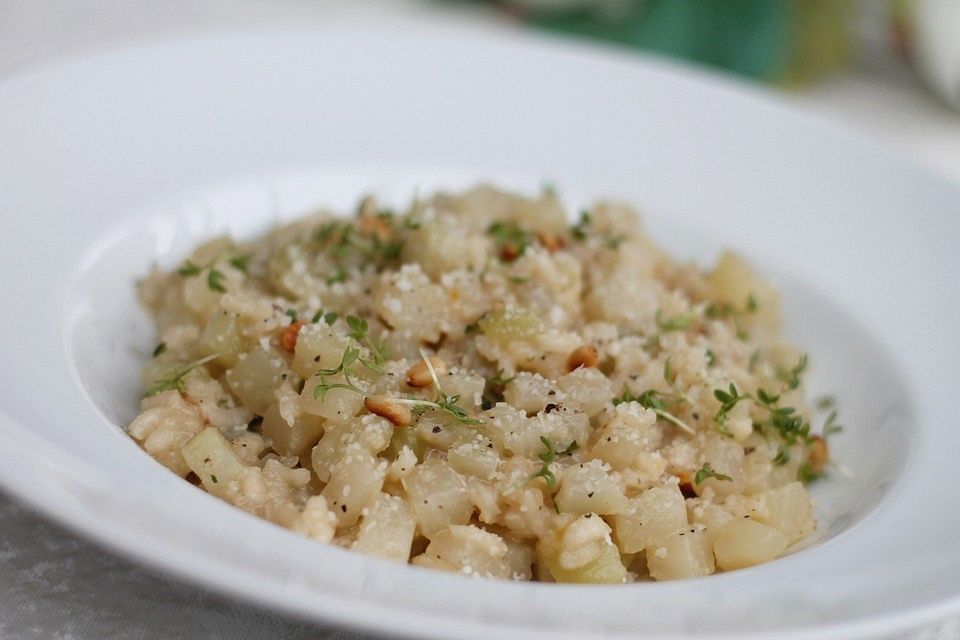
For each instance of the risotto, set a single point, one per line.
(475, 385)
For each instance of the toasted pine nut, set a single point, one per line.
(551, 241)
(509, 252)
(419, 375)
(818, 455)
(376, 226)
(583, 356)
(398, 414)
(686, 484)
(288, 339)
(371, 223)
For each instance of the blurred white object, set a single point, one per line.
(931, 29)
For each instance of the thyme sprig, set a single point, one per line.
(177, 379)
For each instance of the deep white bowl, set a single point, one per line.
(115, 161)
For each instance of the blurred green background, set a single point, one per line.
(782, 41)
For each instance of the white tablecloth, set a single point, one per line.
(54, 584)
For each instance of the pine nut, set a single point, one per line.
(288, 339)
(584, 356)
(398, 414)
(818, 455)
(419, 375)
(551, 241)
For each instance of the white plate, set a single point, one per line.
(114, 161)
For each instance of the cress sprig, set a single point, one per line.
(215, 277)
(350, 355)
(177, 378)
(360, 331)
(656, 401)
(442, 402)
(706, 471)
(548, 457)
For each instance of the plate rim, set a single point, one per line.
(123, 541)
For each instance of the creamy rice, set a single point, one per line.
(477, 386)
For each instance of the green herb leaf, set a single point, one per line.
(728, 400)
(766, 398)
(189, 269)
(668, 371)
(579, 230)
(241, 262)
(447, 404)
(339, 275)
(359, 331)
(675, 323)
(160, 348)
(292, 314)
(791, 377)
(329, 318)
(754, 361)
(826, 402)
(548, 457)
(806, 474)
(830, 426)
(613, 242)
(176, 380)
(711, 358)
(706, 471)
(511, 239)
(653, 400)
(215, 279)
(783, 455)
(715, 311)
(350, 355)
(358, 326)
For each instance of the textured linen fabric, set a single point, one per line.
(56, 586)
